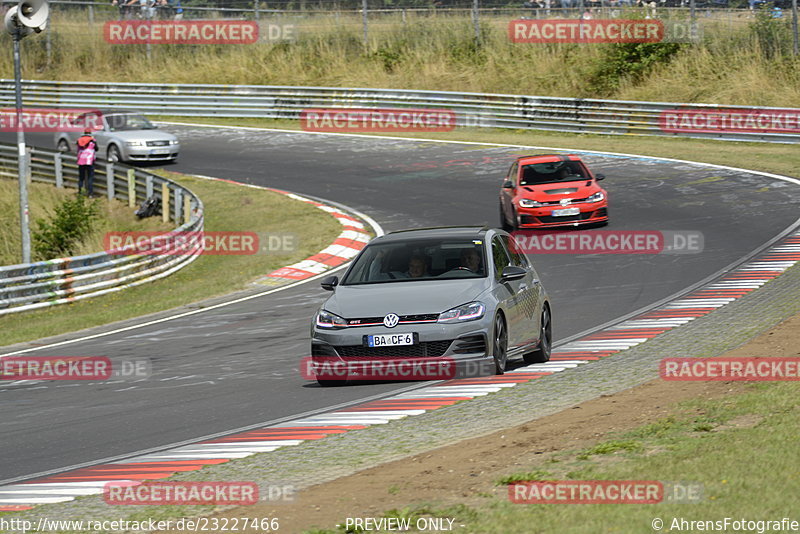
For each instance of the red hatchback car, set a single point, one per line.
(551, 190)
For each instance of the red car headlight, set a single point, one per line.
(528, 203)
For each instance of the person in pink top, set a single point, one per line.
(87, 153)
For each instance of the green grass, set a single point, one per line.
(43, 199)
(228, 208)
(741, 60)
(743, 459)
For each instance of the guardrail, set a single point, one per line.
(42, 284)
(580, 115)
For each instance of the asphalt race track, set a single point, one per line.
(236, 366)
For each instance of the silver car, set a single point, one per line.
(462, 293)
(123, 136)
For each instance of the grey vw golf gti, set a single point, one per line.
(463, 293)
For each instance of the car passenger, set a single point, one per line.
(417, 266)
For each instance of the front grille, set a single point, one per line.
(572, 218)
(365, 321)
(430, 349)
(157, 143)
(558, 202)
(467, 344)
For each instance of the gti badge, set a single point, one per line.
(565, 201)
(391, 320)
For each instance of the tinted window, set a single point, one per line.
(128, 121)
(552, 172)
(414, 260)
(512, 173)
(517, 258)
(499, 256)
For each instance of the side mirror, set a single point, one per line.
(508, 184)
(512, 272)
(599, 177)
(329, 283)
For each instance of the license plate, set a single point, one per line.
(390, 340)
(159, 152)
(566, 212)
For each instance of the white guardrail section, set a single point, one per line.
(471, 109)
(62, 280)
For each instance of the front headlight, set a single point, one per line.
(465, 312)
(135, 143)
(326, 319)
(528, 203)
(597, 197)
(173, 143)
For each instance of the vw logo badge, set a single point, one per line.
(391, 320)
(565, 201)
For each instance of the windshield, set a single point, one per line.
(408, 261)
(552, 172)
(128, 121)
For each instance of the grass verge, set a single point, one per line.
(741, 59)
(43, 200)
(737, 451)
(228, 208)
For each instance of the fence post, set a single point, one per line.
(110, 181)
(164, 202)
(476, 22)
(131, 188)
(255, 9)
(364, 21)
(795, 37)
(187, 211)
(178, 202)
(91, 14)
(148, 186)
(58, 170)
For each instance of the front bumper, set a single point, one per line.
(151, 154)
(467, 344)
(543, 218)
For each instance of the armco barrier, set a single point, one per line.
(471, 109)
(62, 280)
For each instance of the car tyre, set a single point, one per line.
(503, 221)
(542, 354)
(331, 383)
(113, 154)
(63, 145)
(500, 345)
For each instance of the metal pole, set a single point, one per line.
(255, 8)
(693, 15)
(364, 21)
(796, 48)
(24, 214)
(48, 47)
(476, 21)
